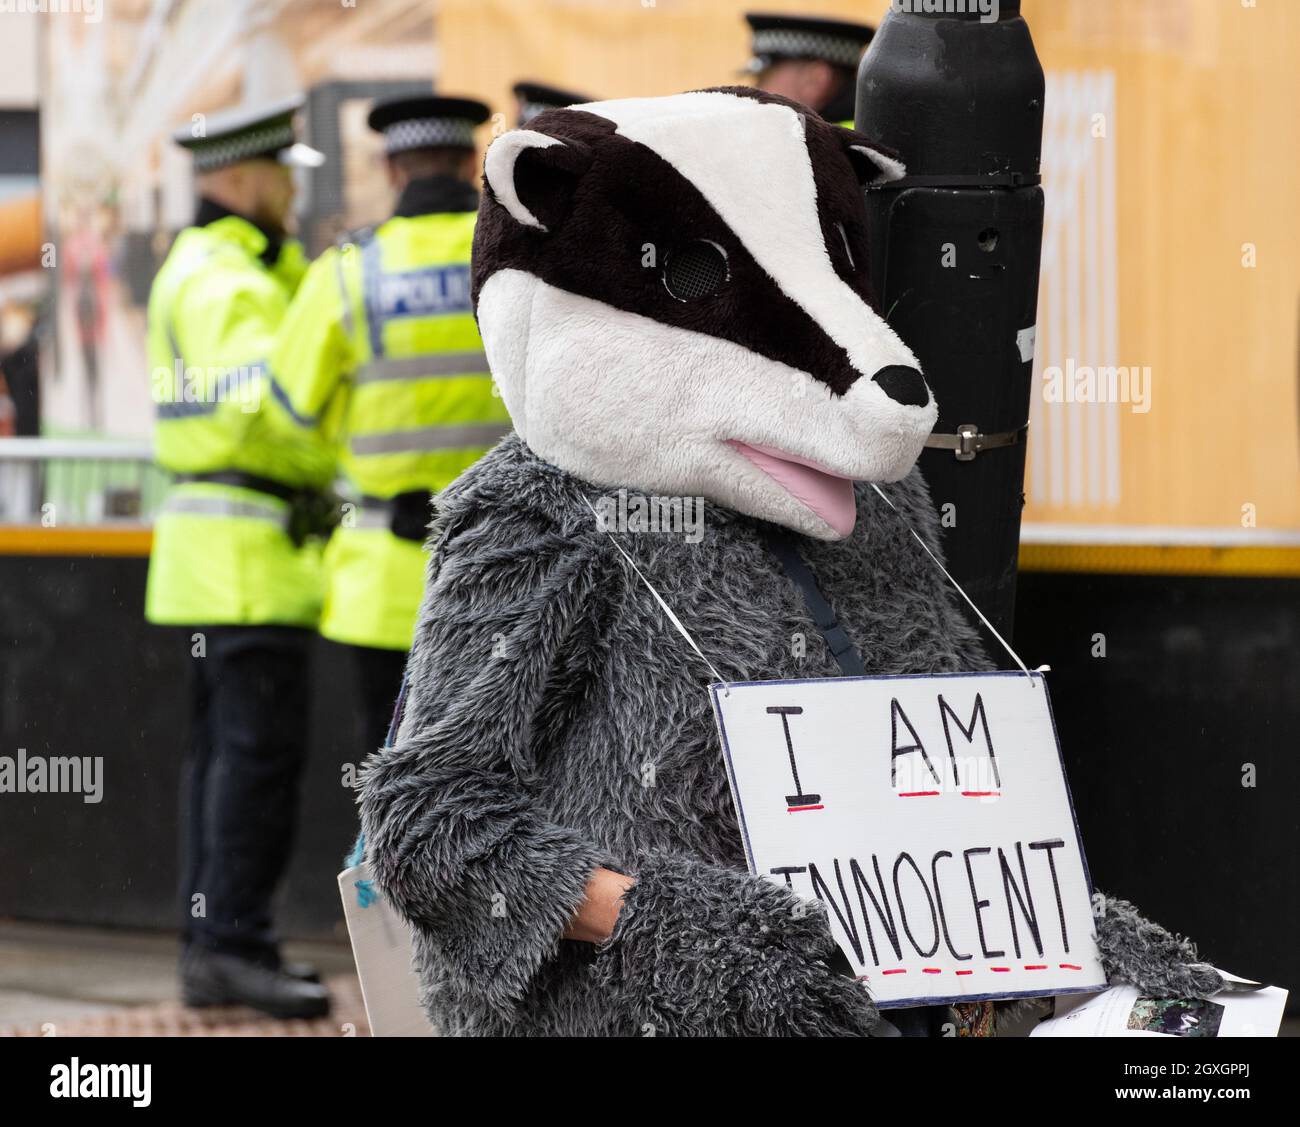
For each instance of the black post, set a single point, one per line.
(960, 96)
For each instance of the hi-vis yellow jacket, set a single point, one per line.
(221, 553)
(381, 345)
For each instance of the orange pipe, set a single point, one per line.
(33, 540)
(20, 235)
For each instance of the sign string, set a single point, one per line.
(659, 599)
(1005, 645)
(681, 628)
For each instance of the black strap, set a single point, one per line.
(399, 709)
(914, 1021)
(312, 512)
(782, 546)
(243, 481)
(409, 513)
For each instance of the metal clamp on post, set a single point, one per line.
(968, 441)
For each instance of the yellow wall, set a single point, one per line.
(1205, 135)
(1207, 157)
(610, 48)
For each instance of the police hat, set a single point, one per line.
(238, 135)
(427, 121)
(776, 38)
(536, 97)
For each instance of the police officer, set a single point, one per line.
(381, 345)
(532, 98)
(813, 61)
(231, 560)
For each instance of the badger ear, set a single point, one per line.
(533, 176)
(873, 164)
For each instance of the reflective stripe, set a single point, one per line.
(371, 516)
(371, 270)
(427, 291)
(225, 507)
(227, 387)
(423, 367)
(183, 410)
(282, 397)
(429, 438)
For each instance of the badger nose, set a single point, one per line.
(903, 384)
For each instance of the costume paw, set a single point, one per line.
(1138, 952)
(703, 950)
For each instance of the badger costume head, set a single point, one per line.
(673, 294)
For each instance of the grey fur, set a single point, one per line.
(1136, 951)
(749, 957)
(556, 722)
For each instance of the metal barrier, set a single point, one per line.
(56, 482)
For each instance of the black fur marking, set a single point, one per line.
(546, 179)
(840, 204)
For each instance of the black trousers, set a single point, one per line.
(379, 676)
(239, 800)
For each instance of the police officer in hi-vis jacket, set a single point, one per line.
(380, 346)
(234, 557)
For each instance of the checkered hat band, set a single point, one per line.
(781, 42)
(230, 150)
(428, 133)
(529, 110)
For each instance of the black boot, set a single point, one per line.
(210, 978)
(304, 972)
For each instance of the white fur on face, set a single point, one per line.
(624, 400)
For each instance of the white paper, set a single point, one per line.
(1123, 1011)
(832, 802)
(1025, 340)
(381, 946)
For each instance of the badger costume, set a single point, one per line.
(673, 296)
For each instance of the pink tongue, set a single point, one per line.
(829, 495)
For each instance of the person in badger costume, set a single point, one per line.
(673, 295)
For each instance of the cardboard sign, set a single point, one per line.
(932, 816)
(381, 946)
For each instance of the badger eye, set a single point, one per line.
(695, 269)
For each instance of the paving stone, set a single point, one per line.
(171, 1019)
